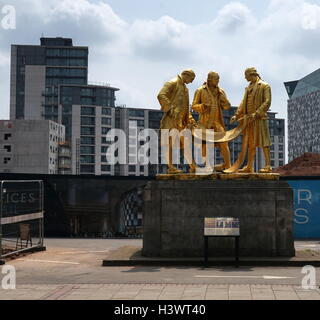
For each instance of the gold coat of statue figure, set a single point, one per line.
(254, 106)
(209, 101)
(174, 101)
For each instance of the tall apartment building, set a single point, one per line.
(303, 115)
(33, 146)
(131, 121)
(36, 73)
(50, 81)
(88, 114)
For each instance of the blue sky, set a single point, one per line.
(136, 45)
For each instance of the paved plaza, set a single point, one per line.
(71, 269)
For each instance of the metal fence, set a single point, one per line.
(21, 216)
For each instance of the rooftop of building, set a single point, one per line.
(91, 85)
(308, 84)
(307, 164)
(58, 42)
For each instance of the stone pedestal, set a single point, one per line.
(174, 212)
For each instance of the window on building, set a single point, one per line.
(6, 160)
(66, 109)
(280, 139)
(87, 91)
(140, 123)
(87, 150)
(85, 168)
(87, 140)
(281, 147)
(106, 121)
(272, 163)
(136, 113)
(88, 131)
(7, 148)
(272, 155)
(103, 158)
(88, 111)
(104, 140)
(280, 163)
(87, 101)
(88, 121)
(7, 136)
(105, 167)
(87, 159)
(104, 149)
(280, 155)
(106, 111)
(105, 130)
(66, 100)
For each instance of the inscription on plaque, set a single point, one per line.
(221, 226)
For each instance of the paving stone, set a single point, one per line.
(308, 294)
(262, 293)
(217, 294)
(285, 295)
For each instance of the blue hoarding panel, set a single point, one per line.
(306, 208)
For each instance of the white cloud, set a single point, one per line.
(4, 59)
(139, 56)
(232, 17)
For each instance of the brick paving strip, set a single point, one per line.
(59, 293)
(159, 292)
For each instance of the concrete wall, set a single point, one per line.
(30, 146)
(91, 202)
(13, 82)
(76, 127)
(35, 81)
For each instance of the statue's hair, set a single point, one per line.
(252, 70)
(188, 72)
(213, 74)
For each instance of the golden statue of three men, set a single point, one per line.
(209, 102)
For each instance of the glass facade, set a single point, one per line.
(136, 113)
(304, 86)
(89, 96)
(304, 116)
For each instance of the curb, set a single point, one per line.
(264, 263)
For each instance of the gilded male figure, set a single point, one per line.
(255, 105)
(174, 101)
(210, 101)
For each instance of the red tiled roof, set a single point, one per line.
(306, 165)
